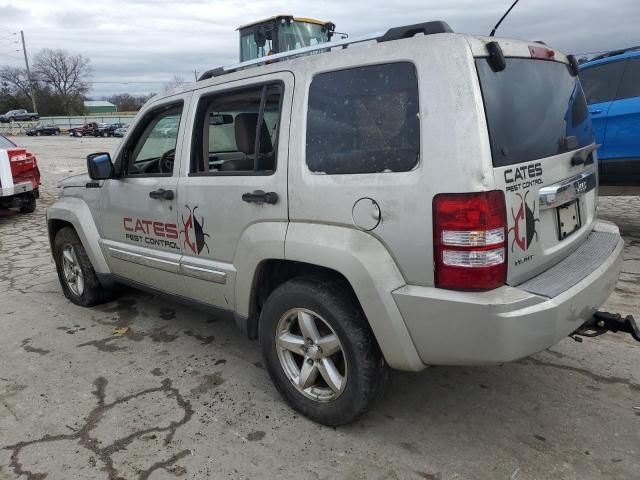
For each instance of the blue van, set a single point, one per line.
(611, 83)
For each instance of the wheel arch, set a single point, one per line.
(354, 259)
(75, 213)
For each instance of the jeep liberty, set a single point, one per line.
(409, 201)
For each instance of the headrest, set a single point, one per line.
(245, 127)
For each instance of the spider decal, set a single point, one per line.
(193, 231)
(526, 217)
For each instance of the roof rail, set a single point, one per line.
(613, 53)
(397, 33)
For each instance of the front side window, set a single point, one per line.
(364, 120)
(237, 131)
(600, 82)
(151, 150)
(630, 84)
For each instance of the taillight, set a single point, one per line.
(17, 154)
(470, 240)
(21, 161)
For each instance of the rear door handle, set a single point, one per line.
(595, 111)
(260, 197)
(161, 194)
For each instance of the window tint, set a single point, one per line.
(535, 109)
(226, 134)
(364, 120)
(151, 149)
(600, 82)
(630, 84)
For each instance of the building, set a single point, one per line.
(99, 106)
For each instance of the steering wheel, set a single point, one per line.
(165, 164)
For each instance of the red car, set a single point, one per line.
(19, 177)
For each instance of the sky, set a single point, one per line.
(137, 45)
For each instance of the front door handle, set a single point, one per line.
(260, 197)
(595, 111)
(161, 194)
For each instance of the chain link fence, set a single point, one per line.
(64, 123)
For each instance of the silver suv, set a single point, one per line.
(411, 201)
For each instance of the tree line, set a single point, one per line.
(60, 83)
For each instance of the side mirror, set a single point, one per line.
(100, 166)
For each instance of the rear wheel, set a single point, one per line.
(77, 277)
(320, 352)
(29, 204)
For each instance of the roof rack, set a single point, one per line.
(397, 33)
(613, 53)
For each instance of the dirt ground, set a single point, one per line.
(183, 395)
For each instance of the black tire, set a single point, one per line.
(366, 372)
(29, 206)
(93, 292)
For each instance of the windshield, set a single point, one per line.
(296, 35)
(535, 109)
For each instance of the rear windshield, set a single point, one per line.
(6, 143)
(535, 109)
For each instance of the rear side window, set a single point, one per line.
(600, 82)
(236, 132)
(535, 109)
(630, 84)
(364, 120)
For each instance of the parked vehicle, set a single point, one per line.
(18, 115)
(428, 200)
(107, 129)
(19, 177)
(120, 132)
(43, 130)
(87, 130)
(611, 84)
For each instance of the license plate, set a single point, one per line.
(568, 219)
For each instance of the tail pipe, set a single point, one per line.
(603, 322)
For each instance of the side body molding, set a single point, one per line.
(372, 273)
(75, 211)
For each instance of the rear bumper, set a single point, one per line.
(508, 323)
(16, 189)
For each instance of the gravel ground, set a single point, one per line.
(183, 395)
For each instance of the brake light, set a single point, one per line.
(21, 161)
(542, 53)
(470, 240)
(17, 154)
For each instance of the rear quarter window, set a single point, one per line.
(364, 120)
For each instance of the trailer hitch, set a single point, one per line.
(603, 322)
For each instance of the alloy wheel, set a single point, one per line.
(311, 355)
(72, 272)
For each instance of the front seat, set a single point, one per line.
(245, 132)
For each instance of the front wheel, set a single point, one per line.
(320, 351)
(77, 277)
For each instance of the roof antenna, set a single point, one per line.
(493, 32)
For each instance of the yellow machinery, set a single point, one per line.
(282, 33)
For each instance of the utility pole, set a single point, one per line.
(195, 74)
(26, 63)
